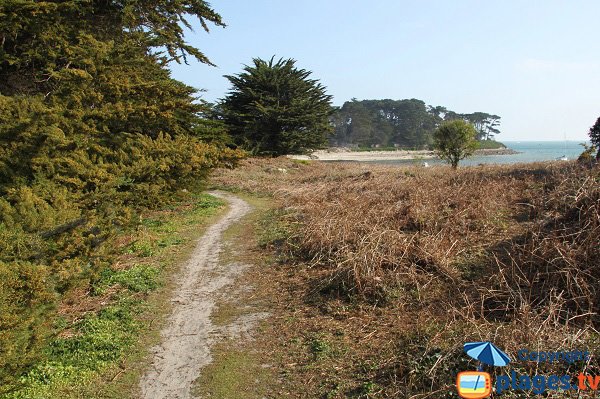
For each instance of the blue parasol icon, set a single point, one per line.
(487, 353)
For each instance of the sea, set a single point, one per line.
(527, 151)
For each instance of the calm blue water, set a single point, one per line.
(529, 151)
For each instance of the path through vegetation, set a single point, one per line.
(186, 340)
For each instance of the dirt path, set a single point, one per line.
(185, 346)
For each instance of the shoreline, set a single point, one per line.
(342, 154)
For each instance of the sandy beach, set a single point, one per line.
(344, 154)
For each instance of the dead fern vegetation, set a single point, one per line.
(430, 259)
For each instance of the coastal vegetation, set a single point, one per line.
(408, 123)
(454, 140)
(490, 145)
(382, 273)
(93, 132)
(102, 330)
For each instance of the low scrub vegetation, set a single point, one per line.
(431, 258)
(98, 325)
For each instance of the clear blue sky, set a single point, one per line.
(534, 63)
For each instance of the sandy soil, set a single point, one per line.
(347, 155)
(186, 341)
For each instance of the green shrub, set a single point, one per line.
(26, 295)
(587, 157)
(93, 131)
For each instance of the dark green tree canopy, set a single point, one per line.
(40, 40)
(595, 136)
(386, 122)
(455, 140)
(408, 123)
(274, 108)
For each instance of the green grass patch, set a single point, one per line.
(274, 228)
(320, 347)
(233, 374)
(93, 346)
(141, 248)
(97, 341)
(140, 278)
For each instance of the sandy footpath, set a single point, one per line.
(186, 340)
(346, 155)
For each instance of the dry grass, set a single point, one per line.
(502, 253)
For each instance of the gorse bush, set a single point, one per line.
(92, 130)
(25, 297)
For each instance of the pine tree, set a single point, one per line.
(273, 108)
